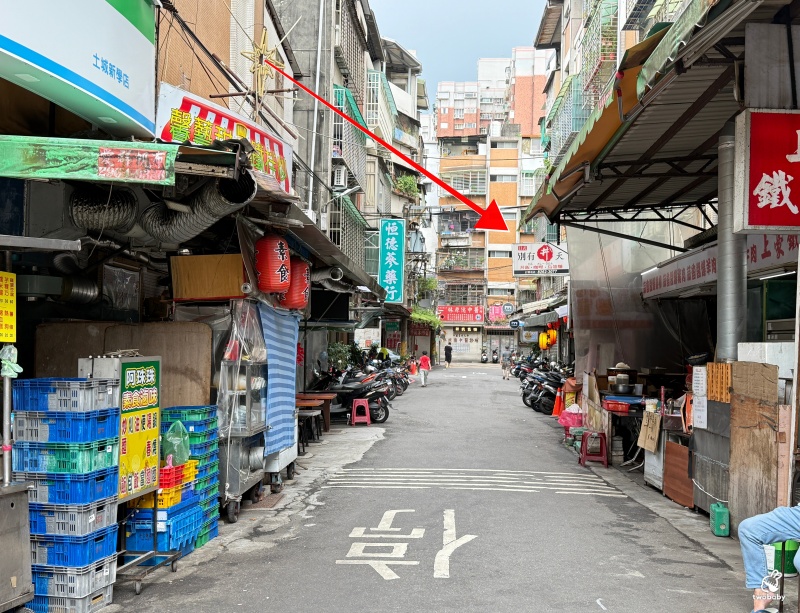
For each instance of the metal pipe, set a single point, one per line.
(731, 261)
(7, 410)
(316, 104)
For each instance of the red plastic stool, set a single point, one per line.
(355, 418)
(601, 456)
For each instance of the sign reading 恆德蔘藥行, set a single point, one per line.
(185, 117)
(139, 430)
(540, 259)
(95, 58)
(392, 258)
(461, 313)
(767, 171)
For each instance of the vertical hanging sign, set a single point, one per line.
(392, 258)
(140, 383)
(8, 307)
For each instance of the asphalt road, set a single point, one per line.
(469, 504)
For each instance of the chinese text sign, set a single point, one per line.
(532, 259)
(392, 258)
(139, 432)
(8, 307)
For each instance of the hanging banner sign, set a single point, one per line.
(8, 307)
(392, 259)
(185, 117)
(540, 260)
(418, 329)
(461, 313)
(767, 171)
(764, 252)
(140, 384)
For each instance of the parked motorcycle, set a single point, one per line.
(348, 388)
(495, 356)
(484, 357)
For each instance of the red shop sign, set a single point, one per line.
(461, 313)
(767, 192)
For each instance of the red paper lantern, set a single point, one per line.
(296, 297)
(272, 264)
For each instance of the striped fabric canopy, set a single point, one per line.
(280, 335)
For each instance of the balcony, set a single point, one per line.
(599, 51)
(566, 118)
(380, 108)
(349, 144)
(347, 229)
(463, 260)
(468, 182)
(350, 48)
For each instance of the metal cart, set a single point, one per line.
(242, 423)
(15, 563)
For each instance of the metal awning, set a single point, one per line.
(549, 34)
(643, 153)
(541, 305)
(541, 320)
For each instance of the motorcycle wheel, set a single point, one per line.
(536, 404)
(527, 400)
(392, 393)
(379, 415)
(547, 405)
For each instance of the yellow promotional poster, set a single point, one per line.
(8, 307)
(139, 428)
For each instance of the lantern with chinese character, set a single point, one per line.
(272, 264)
(299, 286)
(544, 343)
(552, 335)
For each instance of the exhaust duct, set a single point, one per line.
(92, 208)
(208, 205)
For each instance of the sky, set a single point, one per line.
(450, 35)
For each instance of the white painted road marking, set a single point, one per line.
(381, 567)
(441, 566)
(580, 484)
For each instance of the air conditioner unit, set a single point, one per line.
(340, 176)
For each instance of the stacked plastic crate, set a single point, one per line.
(179, 515)
(66, 435)
(202, 426)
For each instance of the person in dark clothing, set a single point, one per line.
(448, 355)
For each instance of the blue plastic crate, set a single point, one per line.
(72, 458)
(211, 468)
(58, 604)
(203, 449)
(208, 458)
(73, 520)
(66, 427)
(62, 394)
(193, 427)
(58, 488)
(74, 582)
(58, 550)
(188, 498)
(173, 533)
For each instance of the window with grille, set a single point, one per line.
(483, 130)
(458, 114)
(486, 116)
(457, 221)
(372, 252)
(527, 184)
(471, 125)
(459, 126)
(500, 291)
(462, 294)
(503, 178)
(460, 259)
(499, 254)
(470, 95)
(351, 46)
(468, 182)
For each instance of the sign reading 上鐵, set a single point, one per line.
(540, 259)
(139, 430)
(8, 307)
(183, 117)
(392, 258)
(767, 171)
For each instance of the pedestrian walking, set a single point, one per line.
(777, 526)
(505, 362)
(424, 367)
(448, 355)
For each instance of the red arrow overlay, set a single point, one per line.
(491, 217)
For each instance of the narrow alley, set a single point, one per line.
(461, 461)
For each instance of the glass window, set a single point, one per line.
(503, 178)
(499, 254)
(458, 114)
(500, 291)
(503, 144)
(372, 252)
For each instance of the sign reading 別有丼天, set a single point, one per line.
(95, 58)
(392, 258)
(140, 426)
